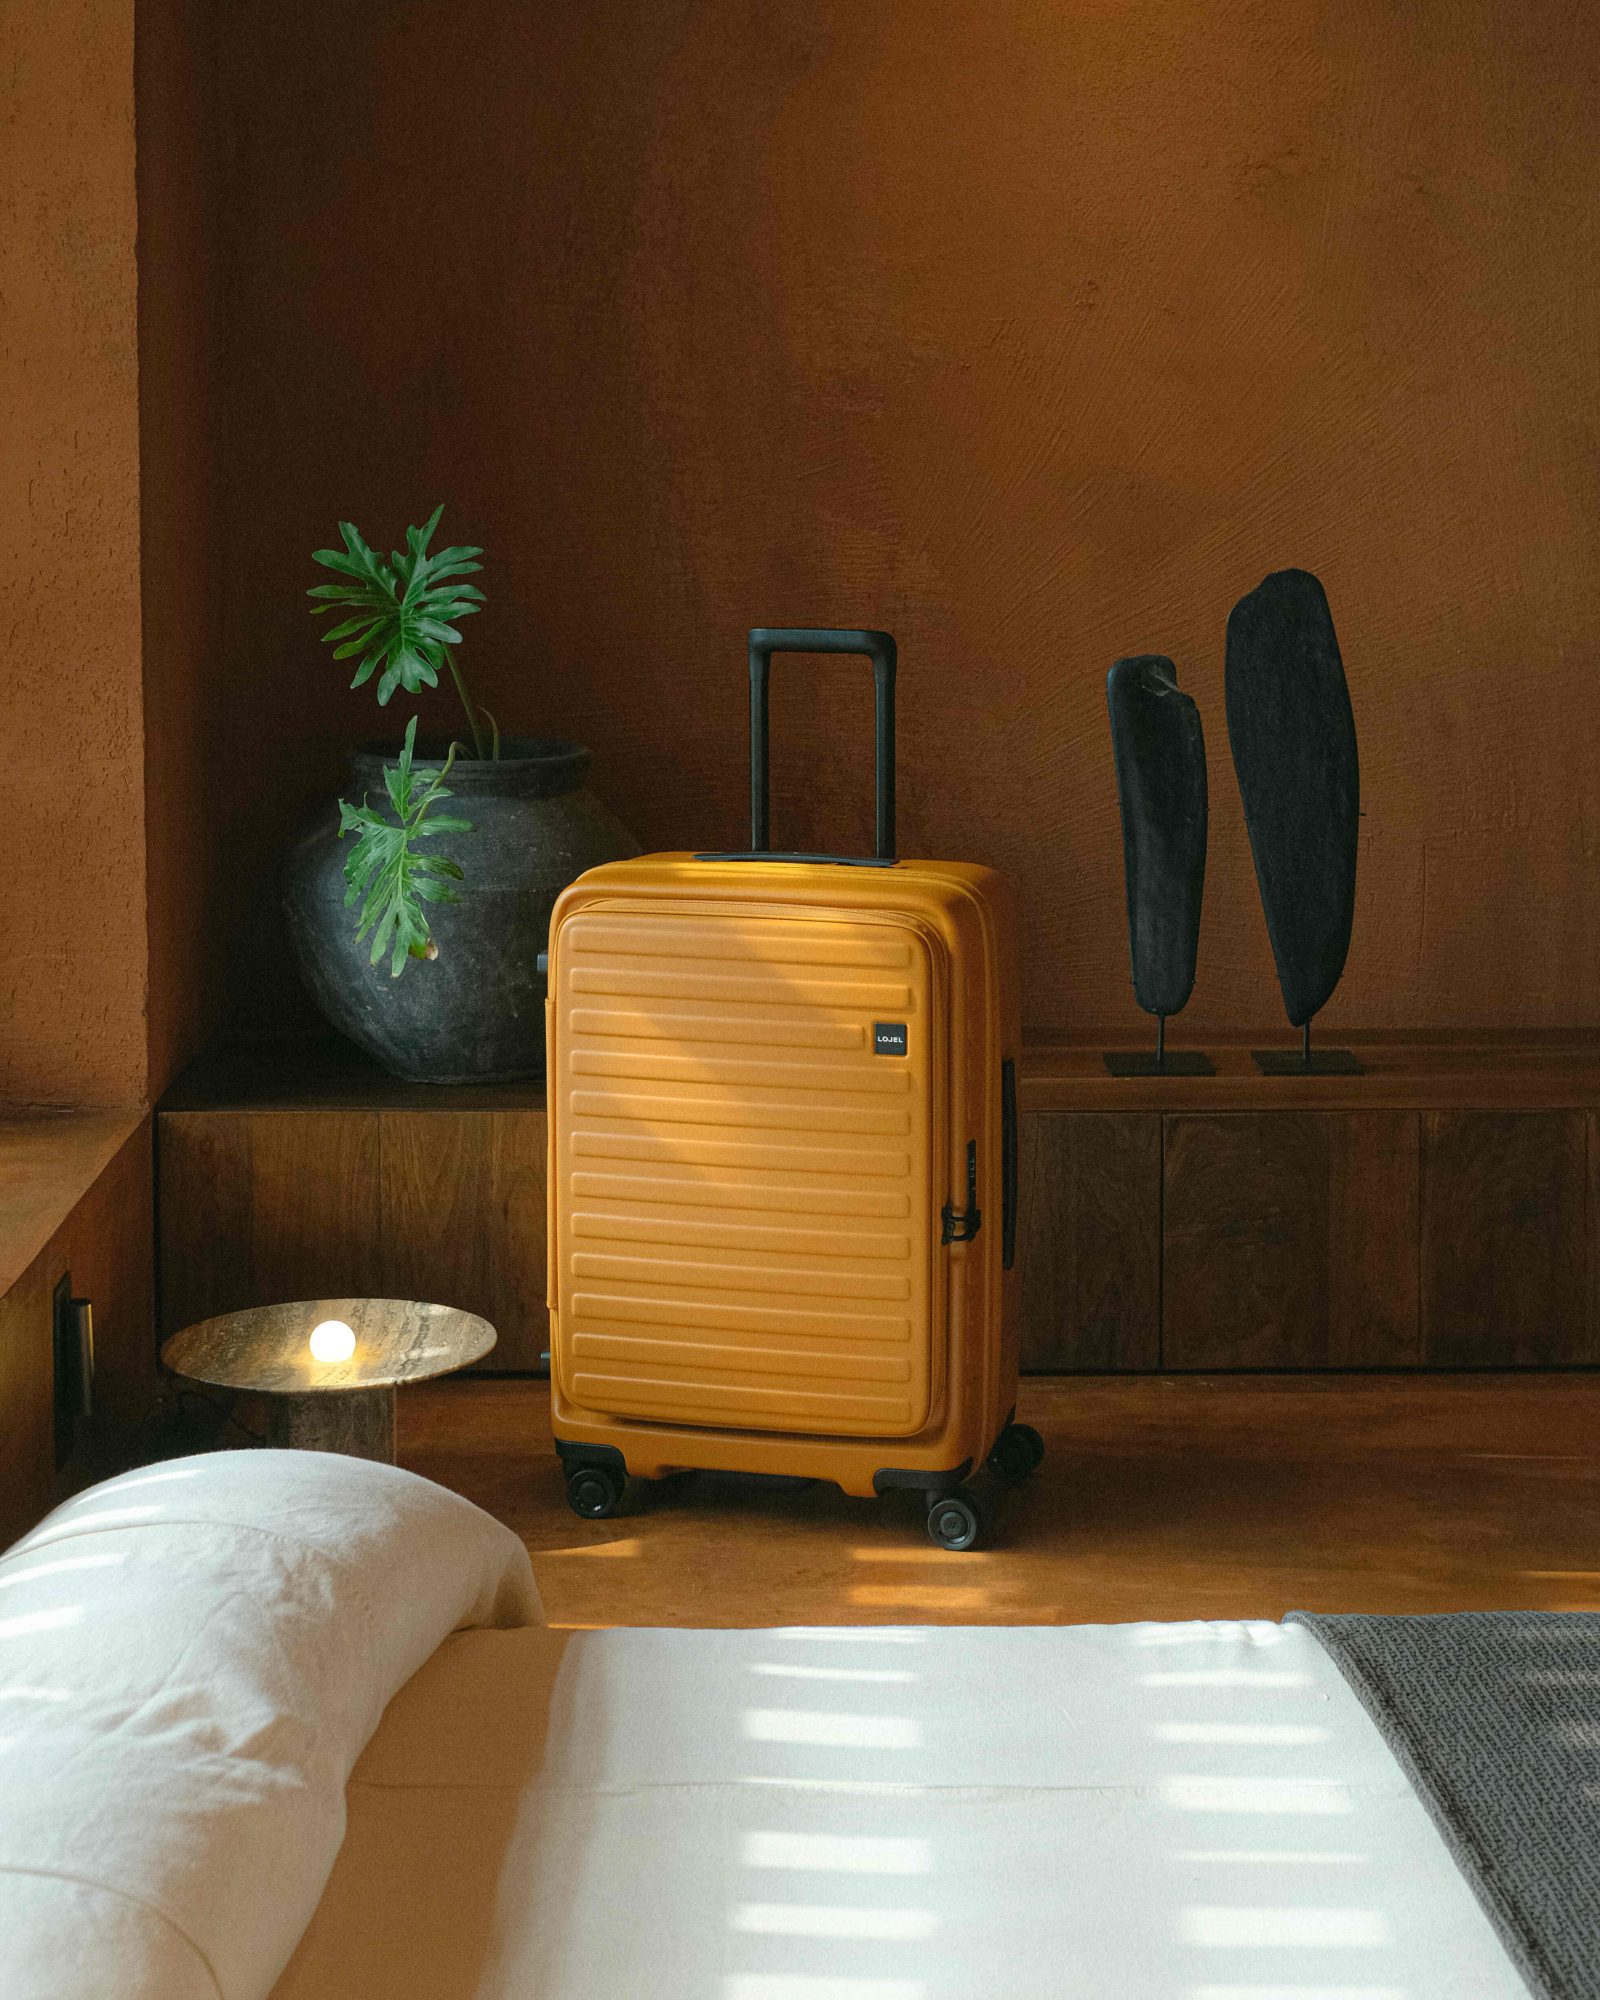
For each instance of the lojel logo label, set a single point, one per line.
(888, 1038)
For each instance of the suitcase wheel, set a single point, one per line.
(593, 1491)
(954, 1521)
(1017, 1451)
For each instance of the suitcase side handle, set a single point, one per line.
(879, 648)
(1008, 1164)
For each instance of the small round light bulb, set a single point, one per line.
(332, 1340)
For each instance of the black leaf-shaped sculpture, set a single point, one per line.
(1293, 737)
(1159, 747)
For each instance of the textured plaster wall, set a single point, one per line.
(72, 973)
(188, 769)
(1037, 332)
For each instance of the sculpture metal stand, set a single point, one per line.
(1159, 747)
(1293, 737)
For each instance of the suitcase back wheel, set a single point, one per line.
(594, 1491)
(1017, 1451)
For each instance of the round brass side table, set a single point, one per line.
(330, 1367)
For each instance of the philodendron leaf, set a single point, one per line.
(385, 873)
(399, 614)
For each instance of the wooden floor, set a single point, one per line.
(1161, 1497)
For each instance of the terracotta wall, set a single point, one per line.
(188, 768)
(72, 974)
(110, 246)
(1037, 332)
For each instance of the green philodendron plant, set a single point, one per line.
(401, 618)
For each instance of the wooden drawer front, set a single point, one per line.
(1506, 1229)
(1289, 1240)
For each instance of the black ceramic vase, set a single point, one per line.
(475, 1013)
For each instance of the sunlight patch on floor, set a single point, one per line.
(888, 1553)
(918, 1597)
(632, 1547)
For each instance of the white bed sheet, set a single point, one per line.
(1196, 1812)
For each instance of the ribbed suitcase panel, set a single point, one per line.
(746, 1187)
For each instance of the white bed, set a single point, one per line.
(192, 1660)
(890, 1814)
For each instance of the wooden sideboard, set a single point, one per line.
(1442, 1210)
(75, 1213)
(306, 1173)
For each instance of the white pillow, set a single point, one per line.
(191, 1659)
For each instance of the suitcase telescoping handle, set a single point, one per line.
(878, 647)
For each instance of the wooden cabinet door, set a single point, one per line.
(1089, 1239)
(262, 1206)
(107, 1247)
(1289, 1240)
(1505, 1239)
(27, 1399)
(464, 1220)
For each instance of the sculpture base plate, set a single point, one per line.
(1322, 1062)
(1176, 1062)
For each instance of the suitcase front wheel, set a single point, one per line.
(954, 1522)
(593, 1491)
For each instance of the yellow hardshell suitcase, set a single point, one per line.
(783, 1160)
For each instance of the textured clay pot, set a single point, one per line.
(474, 1014)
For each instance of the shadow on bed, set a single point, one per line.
(429, 1895)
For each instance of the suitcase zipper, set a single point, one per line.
(962, 1224)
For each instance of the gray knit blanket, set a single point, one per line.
(1495, 1718)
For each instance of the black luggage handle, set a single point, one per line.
(879, 648)
(1008, 1164)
